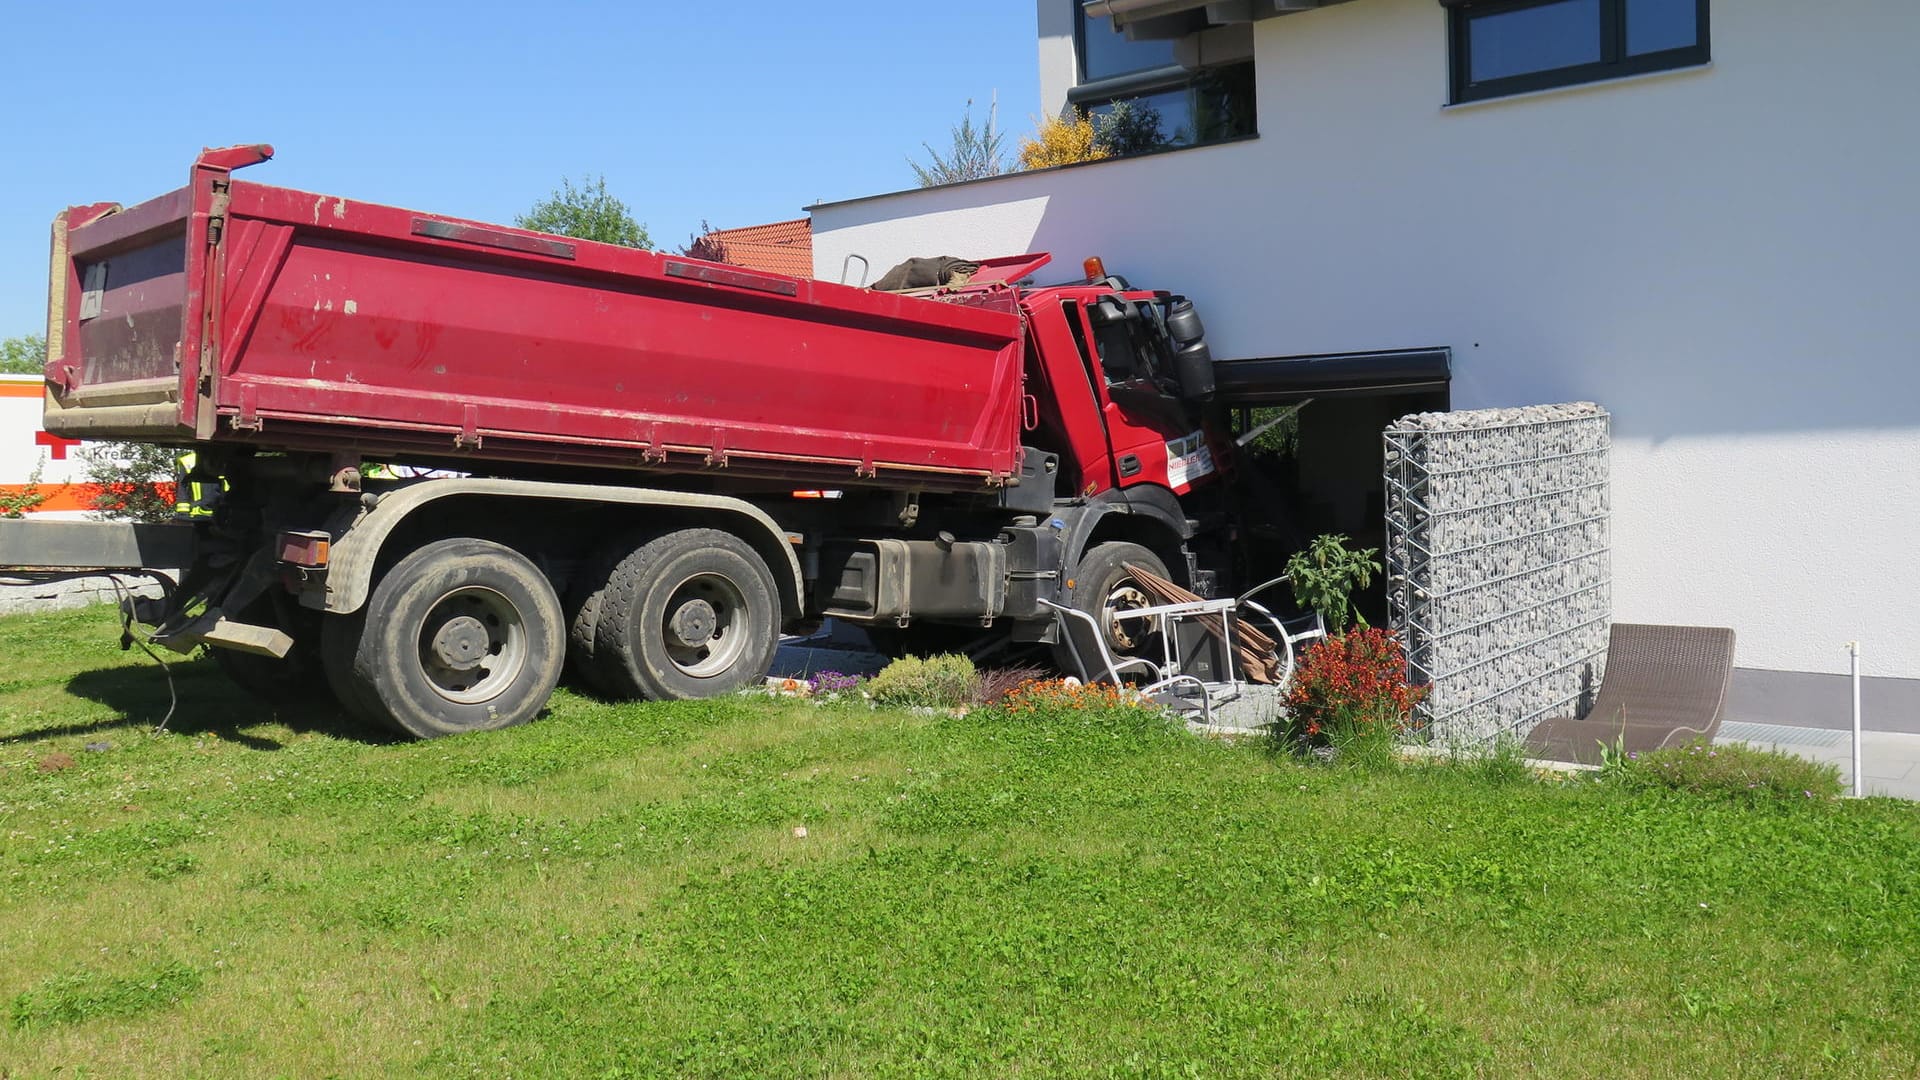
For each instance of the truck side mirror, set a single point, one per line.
(1193, 366)
(1192, 360)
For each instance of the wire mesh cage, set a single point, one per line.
(1499, 565)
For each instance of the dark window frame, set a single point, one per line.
(1081, 24)
(1614, 62)
(1087, 94)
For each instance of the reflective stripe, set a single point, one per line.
(190, 499)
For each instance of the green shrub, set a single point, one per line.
(937, 682)
(1326, 575)
(1731, 770)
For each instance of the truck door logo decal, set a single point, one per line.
(1188, 459)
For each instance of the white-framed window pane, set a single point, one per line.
(1658, 25)
(1558, 35)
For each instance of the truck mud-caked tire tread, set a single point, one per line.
(585, 598)
(389, 674)
(297, 678)
(630, 648)
(339, 641)
(1102, 568)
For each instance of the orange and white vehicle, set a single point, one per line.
(34, 463)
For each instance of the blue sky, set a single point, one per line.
(737, 112)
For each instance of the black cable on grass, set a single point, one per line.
(128, 639)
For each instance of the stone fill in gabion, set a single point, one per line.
(1499, 565)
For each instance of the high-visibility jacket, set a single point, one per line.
(193, 495)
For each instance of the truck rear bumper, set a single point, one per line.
(94, 545)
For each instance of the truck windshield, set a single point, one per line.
(1135, 349)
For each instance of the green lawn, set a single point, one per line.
(618, 890)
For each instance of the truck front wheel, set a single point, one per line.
(690, 614)
(1100, 587)
(461, 635)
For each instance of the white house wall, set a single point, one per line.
(1726, 258)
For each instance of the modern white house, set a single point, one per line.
(1702, 214)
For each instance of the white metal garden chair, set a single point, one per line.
(1166, 674)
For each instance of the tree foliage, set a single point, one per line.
(1129, 127)
(1062, 140)
(130, 476)
(29, 497)
(976, 152)
(23, 355)
(586, 212)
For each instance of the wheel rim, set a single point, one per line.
(473, 645)
(705, 625)
(1124, 635)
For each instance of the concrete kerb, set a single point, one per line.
(20, 598)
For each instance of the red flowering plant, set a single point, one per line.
(1351, 693)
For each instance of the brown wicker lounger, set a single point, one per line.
(1664, 686)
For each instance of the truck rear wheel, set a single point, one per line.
(339, 641)
(462, 635)
(691, 614)
(1100, 587)
(584, 601)
(295, 678)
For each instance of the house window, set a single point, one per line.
(1105, 54)
(1143, 98)
(1503, 47)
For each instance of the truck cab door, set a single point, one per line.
(1155, 438)
(1072, 420)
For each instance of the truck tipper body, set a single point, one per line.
(614, 458)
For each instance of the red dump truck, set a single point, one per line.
(618, 454)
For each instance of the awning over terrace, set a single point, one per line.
(1281, 379)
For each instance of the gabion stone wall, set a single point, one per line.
(1499, 571)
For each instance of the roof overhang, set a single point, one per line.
(1176, 18)
(1279, 380)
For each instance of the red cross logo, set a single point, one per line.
(59, 445)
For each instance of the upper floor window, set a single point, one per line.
(1142, 97)
(1503, 47)
(1105, 54)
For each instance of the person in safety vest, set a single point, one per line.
(196, 493)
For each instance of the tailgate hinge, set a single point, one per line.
(654, 452)
(217, 212)
(469, 437)
(248, 418)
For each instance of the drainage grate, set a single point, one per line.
(1779, 734)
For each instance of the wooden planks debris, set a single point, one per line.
(1257, 653)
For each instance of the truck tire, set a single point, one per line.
(297, 677)
(691, 614)
(462, 635)
(585, 599)
(1099, 585)
(339, 641)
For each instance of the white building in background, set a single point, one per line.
(1702, 214)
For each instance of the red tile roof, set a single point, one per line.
(784, 247)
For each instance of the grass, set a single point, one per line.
(618, 890)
